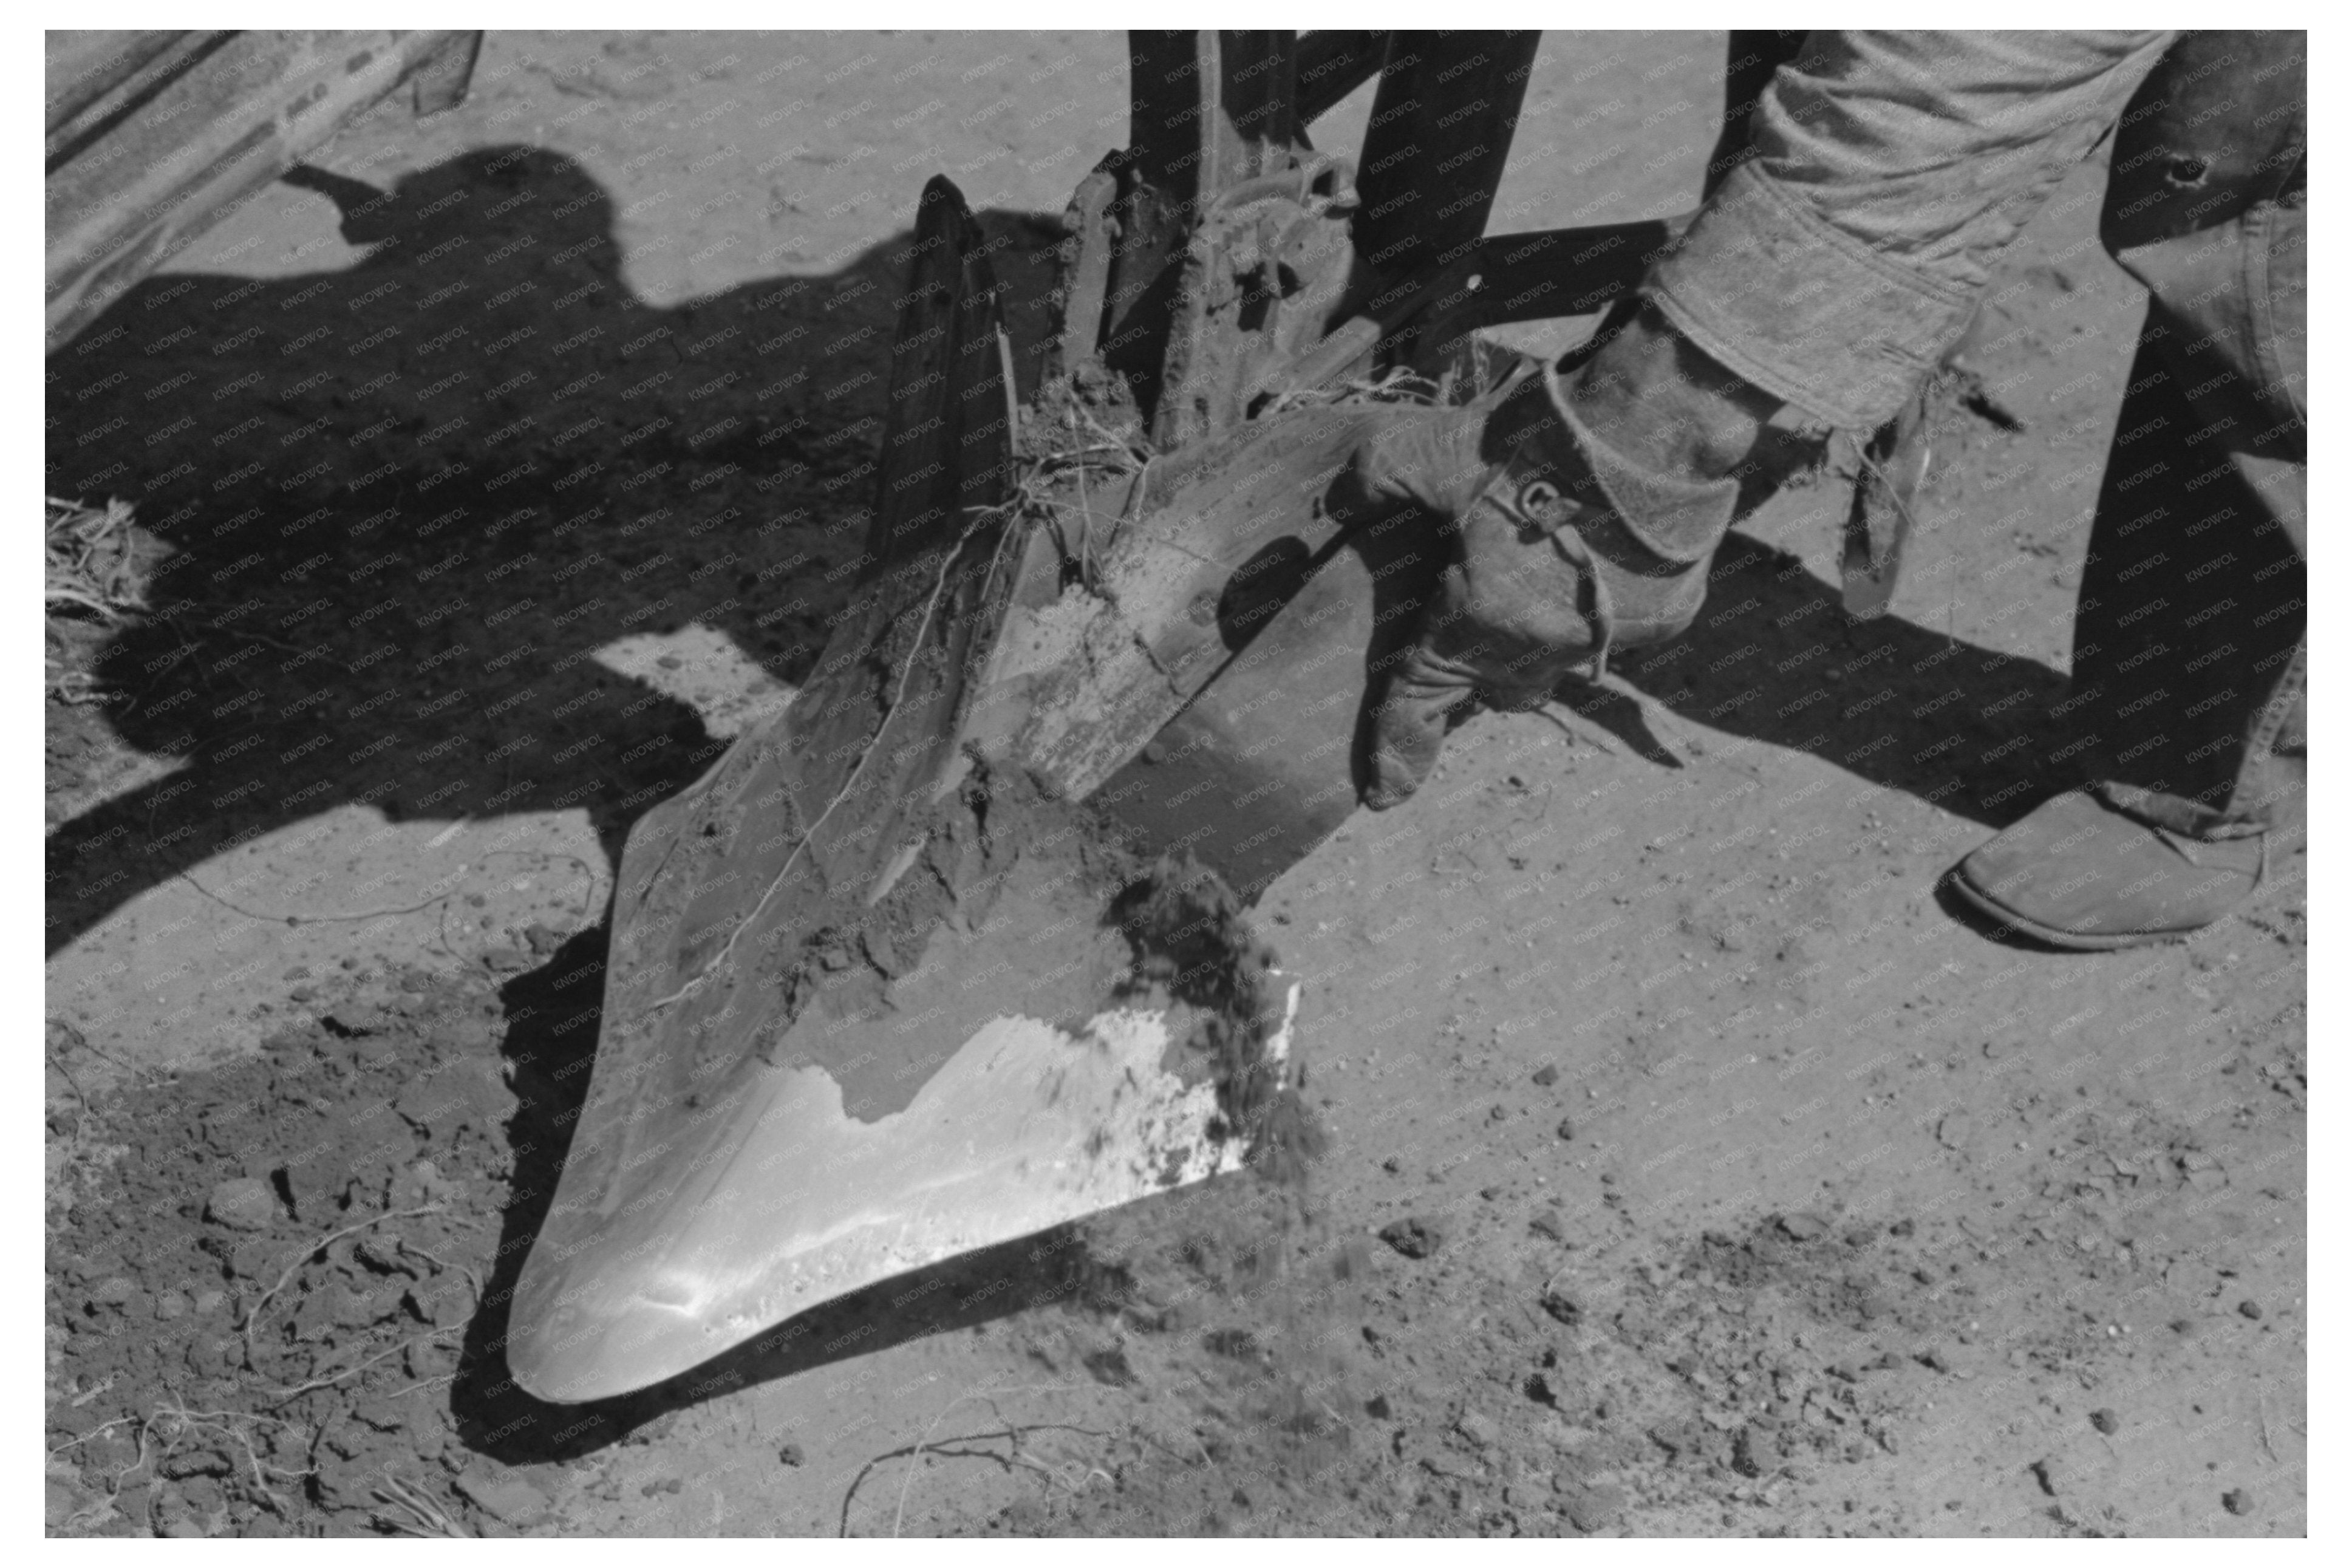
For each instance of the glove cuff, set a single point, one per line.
(1677, 522)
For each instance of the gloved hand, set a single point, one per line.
(1561, 549)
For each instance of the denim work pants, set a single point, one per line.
(2188, 633)
(1836, 267)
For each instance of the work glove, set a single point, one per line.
(1559, 549)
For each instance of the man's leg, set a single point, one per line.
(2188, 634)
(1823, 277)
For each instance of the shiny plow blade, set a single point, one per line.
(905, 975)
(790, 1201)
(868, 1006)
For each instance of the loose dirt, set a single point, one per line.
(1691, 1167)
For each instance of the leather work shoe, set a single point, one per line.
(2111, 865)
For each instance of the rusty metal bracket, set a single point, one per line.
(1208, 111)
(1262, 279)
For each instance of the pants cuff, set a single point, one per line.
(1776, 295)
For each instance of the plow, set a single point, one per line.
(955, 948)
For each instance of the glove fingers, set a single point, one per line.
(1410, 729)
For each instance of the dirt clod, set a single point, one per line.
(1592, 1508)
(1192, 939)
(1415, 1236)
(2239, 1500)
(507, 1499)
(242, 1203)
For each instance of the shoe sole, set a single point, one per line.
(2072, 941)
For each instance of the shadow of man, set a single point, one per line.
(406, 503)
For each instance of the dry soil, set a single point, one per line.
(1692, 1168)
